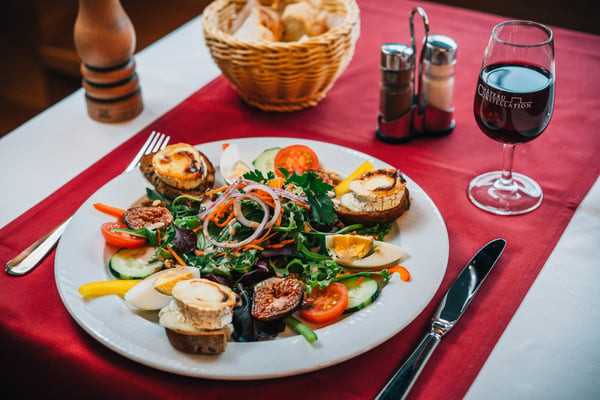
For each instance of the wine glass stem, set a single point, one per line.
(508, 153)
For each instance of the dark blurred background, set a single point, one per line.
(40, 65)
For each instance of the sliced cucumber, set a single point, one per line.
(133, 263)
(362, 291)
(264, 161)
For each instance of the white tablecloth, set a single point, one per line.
(550, 349)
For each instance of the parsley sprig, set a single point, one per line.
(316, 191)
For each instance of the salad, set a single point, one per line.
(268, 226)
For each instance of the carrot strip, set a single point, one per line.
(303, 205)
(176, 256)
(404, 273)
(224, 223)
(281, 244)
(360, 280)
(268, 235)
(264, 196)
(276, 183)
(215, 191)
(253, 246)
(110, 210)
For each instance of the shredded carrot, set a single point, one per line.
(279, 219)
(404, 273)
(224, 223)
(268, 235)
(219, 212)
(264, 196)
(215, 191)
(360, 280)
(253, 246)
(224, 146)
(303, 205)
(158, 236)
(110, 210)
(199, 253)
(276, 183)
(281, 244)
(176, 256)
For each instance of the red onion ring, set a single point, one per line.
(275, 197)
(237, 208)
(221, 198)
(249, 239)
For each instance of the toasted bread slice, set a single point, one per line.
(180, 165)
(198, 318)
(169, 191)
(205, 304)
(370, 218)
(376, 197)
(199, 342)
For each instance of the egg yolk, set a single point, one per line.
(351, 246)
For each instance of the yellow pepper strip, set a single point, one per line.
(102, 288)
(342, 187)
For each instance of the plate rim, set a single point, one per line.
(66, 288)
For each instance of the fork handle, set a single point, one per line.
(29, 258)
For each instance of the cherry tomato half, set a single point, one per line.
(325, 304)
(296, 158)
(120, 239)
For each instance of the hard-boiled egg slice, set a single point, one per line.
(231, 164)
(362, 251)
(154, 292)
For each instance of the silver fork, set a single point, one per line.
(29, 258)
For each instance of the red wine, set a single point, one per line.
(513, 103)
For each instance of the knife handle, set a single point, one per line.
(29, 258)
(403, 379)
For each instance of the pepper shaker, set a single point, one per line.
(396, 92)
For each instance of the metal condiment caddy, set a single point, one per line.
(425, 108)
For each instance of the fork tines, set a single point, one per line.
(156, 141)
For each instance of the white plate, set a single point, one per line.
(81, 258)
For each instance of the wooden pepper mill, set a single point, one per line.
(105, 40)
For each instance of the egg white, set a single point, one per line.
(230, 156)
(143, 296)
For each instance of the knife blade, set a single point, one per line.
(449, 311)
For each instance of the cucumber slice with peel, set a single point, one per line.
(265, 160)
(134, 263)
(362, 291)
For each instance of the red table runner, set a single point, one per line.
(46, 353)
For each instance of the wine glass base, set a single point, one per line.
(496, 195)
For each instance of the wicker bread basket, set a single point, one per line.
(281, 76)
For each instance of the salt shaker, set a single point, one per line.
(396, 92)
(437, 85)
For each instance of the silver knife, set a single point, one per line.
(452, 306)
(31, 256)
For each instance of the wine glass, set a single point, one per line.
(513, 104)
